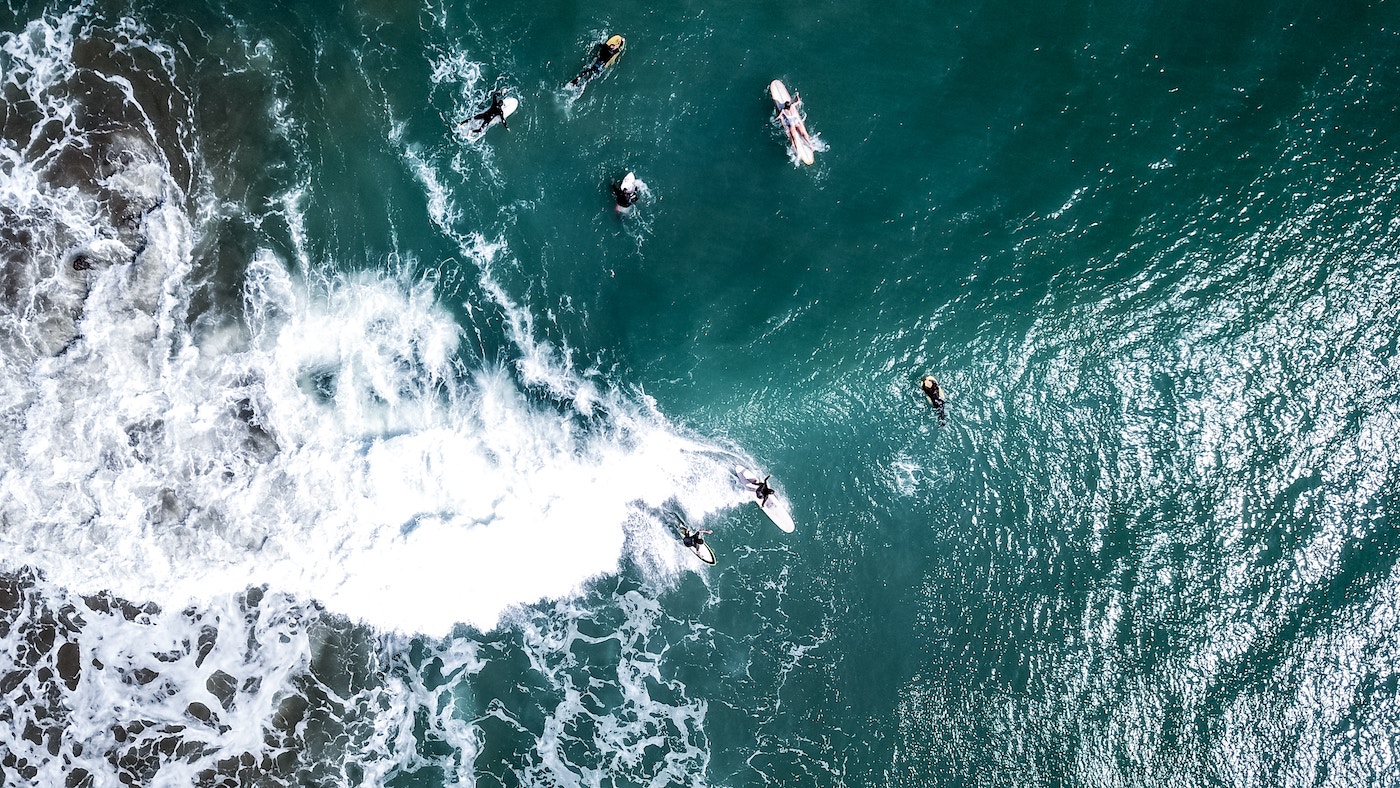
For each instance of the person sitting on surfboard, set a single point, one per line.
(493, 112)
(626, 193)
(763, 490)
(792, 121)
(694, 539)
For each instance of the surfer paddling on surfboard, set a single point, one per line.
(792, 121)
(500, 109)
(607, 53)
(934, 392)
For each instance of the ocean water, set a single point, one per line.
(339, 450)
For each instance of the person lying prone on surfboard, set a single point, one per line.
(932, 391)
(606, 52)
(493, 112)
(792, 121)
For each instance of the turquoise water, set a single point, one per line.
(340, 450)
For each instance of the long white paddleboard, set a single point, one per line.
(475, 128)
(776, 507)
(779, 92)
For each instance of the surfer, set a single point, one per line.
(694, 539)
(792, 122)
(606, 52)
(626, 193)
(494, 112)
(934, 392)
(762, 490)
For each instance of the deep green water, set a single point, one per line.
(1149, 250)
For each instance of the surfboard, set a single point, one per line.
(593, 69)
(780, 95)
(702, 550)
(776, 507)
(475, 128)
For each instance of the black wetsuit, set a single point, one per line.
(496, 110)
(935, 397)
(764, 490)
(934, 394)
(626, 198)
(605, 53)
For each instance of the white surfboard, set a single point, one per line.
(475, 128)
(780, 95)
(776, 506)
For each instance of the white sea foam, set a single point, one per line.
(333, 446)
(324, 439)
(340, 455)
(138, 685)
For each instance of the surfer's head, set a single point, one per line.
(787, 105)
